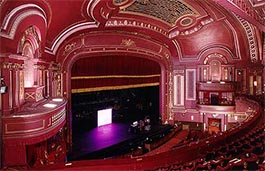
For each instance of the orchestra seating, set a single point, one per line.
(240, 147)
(246, 153)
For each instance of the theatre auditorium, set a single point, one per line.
(151, 85)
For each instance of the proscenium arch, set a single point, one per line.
(67, 68)
(96, 44)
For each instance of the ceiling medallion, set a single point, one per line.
(186, 21)
(119, 2)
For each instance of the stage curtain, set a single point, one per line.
(95, 66)
(102, 73)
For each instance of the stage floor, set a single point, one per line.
(99, 138)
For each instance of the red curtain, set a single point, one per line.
(114, 71)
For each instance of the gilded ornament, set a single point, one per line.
(128, 43)
(68, 48)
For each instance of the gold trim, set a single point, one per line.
(114, 76)
(83, 90)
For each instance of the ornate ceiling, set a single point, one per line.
(251, 10)
(186, 27)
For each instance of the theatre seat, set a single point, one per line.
(223, 167)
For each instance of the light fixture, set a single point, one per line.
(50, 105)
(3, 87)
(57, 99)
(255, 83)
(215, 115)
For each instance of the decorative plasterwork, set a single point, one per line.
(188, 31)
(66, 33)
(123, 43)
(252, 42)
(39, 67)
(30, 35)
(178, 88)
(248, 9)
(215, 56)
(166, 11)
(204, 52)
(54, 67)
(234, 32)
(134, 23)
(128, 43)
(15, 17)
(28, 128)
(251, 8)
(1, 2)
(119, 2)
(8, 65)
(190, 84)
(223, 53)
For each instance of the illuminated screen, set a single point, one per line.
(104, 117)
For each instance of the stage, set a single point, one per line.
(109, 141)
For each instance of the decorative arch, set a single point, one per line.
(29, 47)
(17, 15)
(28, 53)
(217, 57)
(32, 36)
(219, 51)
(102, 44)
(216, 67)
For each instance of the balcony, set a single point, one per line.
(216, 86)
(215, 108)
(35, 123)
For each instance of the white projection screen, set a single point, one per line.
(104, 117)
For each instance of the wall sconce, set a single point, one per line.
(255, 83)
(214, 115)
(3, 87)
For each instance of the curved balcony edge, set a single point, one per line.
(34, 126)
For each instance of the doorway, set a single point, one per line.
(214, 98)
(214, 125)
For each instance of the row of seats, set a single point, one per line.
(213, 147)
(245, 153)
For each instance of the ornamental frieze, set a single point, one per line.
(39, 67)
(181, 31)
(54, 66)
(128, 43)
(134, 23)
(10, 66)
(68, 48)
(250, 33)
